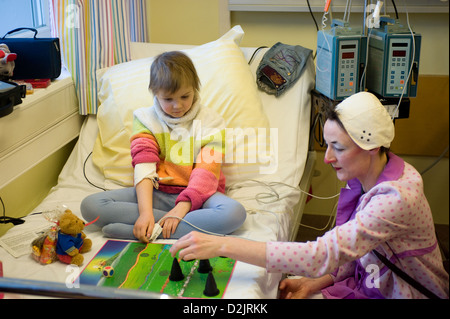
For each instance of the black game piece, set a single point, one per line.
(204, 267)
(175, 273)
(211, 287)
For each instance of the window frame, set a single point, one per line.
(41, 12)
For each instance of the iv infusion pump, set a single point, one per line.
(393, 53)
(390, 51)
(341, 56)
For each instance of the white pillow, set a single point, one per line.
(227, 86)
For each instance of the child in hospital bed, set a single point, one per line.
(177, 147)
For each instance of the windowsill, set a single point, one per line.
(63, 81)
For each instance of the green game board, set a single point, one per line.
(147, 267)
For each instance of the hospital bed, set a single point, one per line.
(269, 181)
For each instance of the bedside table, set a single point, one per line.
(44, 122)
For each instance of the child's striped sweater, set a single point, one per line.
(189, 150)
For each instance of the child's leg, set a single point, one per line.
(219, 214)
(118, 210)
(116, 206)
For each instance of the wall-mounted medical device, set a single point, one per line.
(393, 60)
(341, 57)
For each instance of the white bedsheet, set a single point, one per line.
(266, 222)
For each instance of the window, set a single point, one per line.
(24, 13)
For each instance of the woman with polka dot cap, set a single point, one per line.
(382, 208)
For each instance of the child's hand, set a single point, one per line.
(143, 227)
(168, 224)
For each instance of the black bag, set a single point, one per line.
(10, 94)
(37, 58)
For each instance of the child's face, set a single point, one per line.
(176, 104)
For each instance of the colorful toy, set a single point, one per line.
(6, 62)
(108, 271)
(151, 267)
(43, 248)
(64, 241)
(72, 242)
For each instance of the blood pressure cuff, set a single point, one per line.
(280, 67)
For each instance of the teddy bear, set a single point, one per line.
(72, 242)
(6, 62)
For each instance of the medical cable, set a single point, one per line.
(315, 23)
(312, 15)
(190, 224)
(273, 194)
(181, 219)
(363, 75)
(330, 222)
(276, 197)
(395, 9)
(412, 62)
(436, 161)
(262, 198)
(210, 232)
(85, 176)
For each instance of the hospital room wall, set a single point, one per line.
(201, 21)
(25, 192)
(420, 138)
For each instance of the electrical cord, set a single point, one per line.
(436, 161)
(395, 9)
(5, 219)
(412, 62)
(85, 176)
(312, 15)
(254, 54)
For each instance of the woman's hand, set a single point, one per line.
(197, 245)
(169, 225)
(303, 288)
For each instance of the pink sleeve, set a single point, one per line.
(296, 258)
(334, 252)
(144, 150)
(202, 184)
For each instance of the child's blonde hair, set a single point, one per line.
(172, 70)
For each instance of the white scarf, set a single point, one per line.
(174, 122)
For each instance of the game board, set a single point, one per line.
(148, 267)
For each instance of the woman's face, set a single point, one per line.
(176, 104)
(348, 159)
